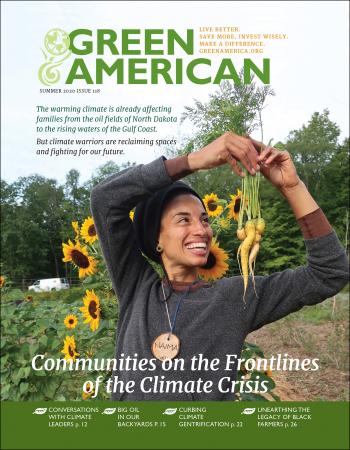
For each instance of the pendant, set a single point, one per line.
(166, 346)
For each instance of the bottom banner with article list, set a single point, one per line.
(175, 425)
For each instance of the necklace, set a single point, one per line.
(167, 345)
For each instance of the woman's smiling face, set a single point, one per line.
(185, 233)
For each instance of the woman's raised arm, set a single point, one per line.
(111, 202)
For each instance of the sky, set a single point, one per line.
(309, 70)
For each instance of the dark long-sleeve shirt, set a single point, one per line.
(213, 320)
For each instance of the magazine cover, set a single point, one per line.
(174, 224)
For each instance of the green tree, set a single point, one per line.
(282, 245)
(76, 202)
(42, 203)
(31, 223)
(334, 195)
(104, 171)
(312, 148)
(77, 196)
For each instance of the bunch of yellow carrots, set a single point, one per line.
(251, 233)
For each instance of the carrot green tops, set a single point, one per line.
(212, 321)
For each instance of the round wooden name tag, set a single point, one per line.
(166, 346)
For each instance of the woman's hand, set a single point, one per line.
(228, 148)
(277, 167)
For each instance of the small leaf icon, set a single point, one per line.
(109, 411)
(40, 411)
(170, 411)
(248, 411)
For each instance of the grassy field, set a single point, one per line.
(320, 331)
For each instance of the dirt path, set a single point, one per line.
(327, 341)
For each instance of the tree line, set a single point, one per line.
(36, 217)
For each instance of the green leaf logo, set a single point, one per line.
(40, 411)
(109, 411)
(56, 50)
(170, 411)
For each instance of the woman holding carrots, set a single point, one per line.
(181, 316)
